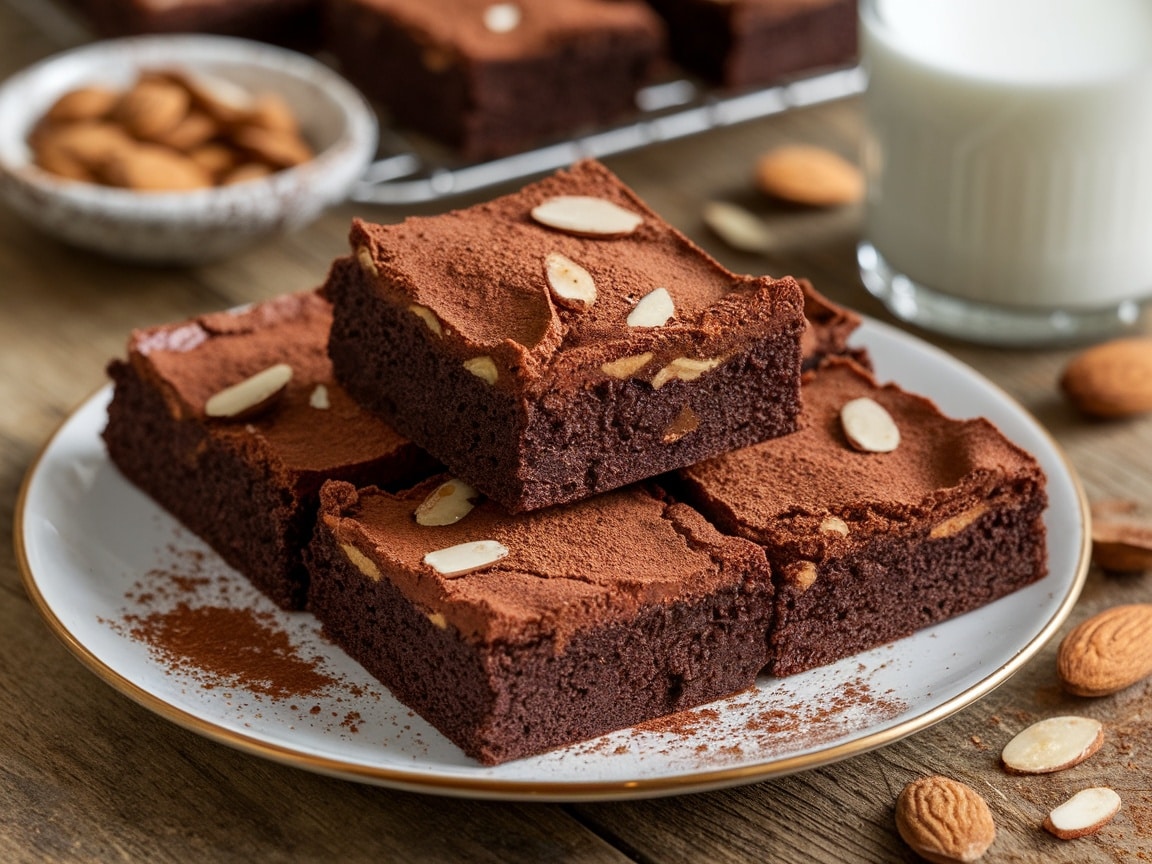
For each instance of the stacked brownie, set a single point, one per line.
(643, 507)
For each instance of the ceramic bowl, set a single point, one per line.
(185, 227)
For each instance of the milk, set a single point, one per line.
(1009, 148)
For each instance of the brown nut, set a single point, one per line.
(1107, 653)
(809, 175)
(153, 107)
(152, 168)
(1111, 380)
(944, 820)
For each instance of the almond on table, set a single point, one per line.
(809, 175)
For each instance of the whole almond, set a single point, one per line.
(944, 821)
(153, 107)
(152, 168)
(809, 175)
(1111, 380)
(85, 103)
(278, 148)
(1052, 745)
(1108, 652)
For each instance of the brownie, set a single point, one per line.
(291, 22)
(829, 327)
(602, 613)
(869, 547)
(745, 43)
(448, 328)
(493, 78)
(248, 486)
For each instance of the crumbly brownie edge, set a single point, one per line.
(198, 480)
(896, 585)
(504, 701)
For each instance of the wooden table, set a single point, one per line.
(87, 775)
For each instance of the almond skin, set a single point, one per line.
(1107, 653)
(809, 175)
(1111, 380)
(944, 820)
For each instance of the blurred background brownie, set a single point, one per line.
(492, 78)
(247, 484)
(288, 22)
(744, 43)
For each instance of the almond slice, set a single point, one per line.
(586, 216)
(1108, 652)
(250, 396)
(653, 310)
(1084, 813)
(684, 369)
(484, 368)
(571, 284)
(868, 427)
(502, 17)
(319, 398)
(737, 227)
(449, 502)
(1052, 745)
(465, 557)
(626, 367)
(944, 820)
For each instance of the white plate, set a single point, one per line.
(89, 544)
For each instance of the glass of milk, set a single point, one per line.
(1009, 161)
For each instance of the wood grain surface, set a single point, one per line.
(87, 775)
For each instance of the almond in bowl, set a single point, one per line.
(179, 148)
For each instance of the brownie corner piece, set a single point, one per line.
(248, 486)
(562, 341)
(868, 548)
(596, 616)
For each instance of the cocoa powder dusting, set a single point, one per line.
(225, 647)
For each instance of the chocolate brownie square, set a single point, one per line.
(514, 635)
(493, 78)
(248, 484)
(869, 547)
(562, 341)
(745, 43)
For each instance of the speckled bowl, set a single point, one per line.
(185, 227)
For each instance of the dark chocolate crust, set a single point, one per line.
(745, 43)
(526, 691)
(555, 426)
(868, 548)
(249, 489)
(571, 66)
